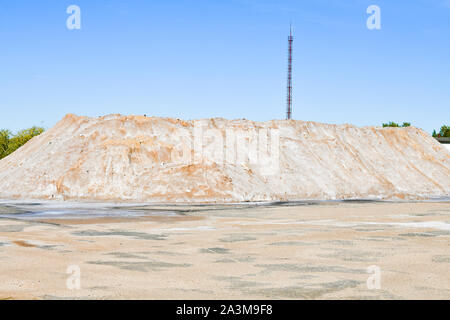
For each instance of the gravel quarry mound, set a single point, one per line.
(149, 159)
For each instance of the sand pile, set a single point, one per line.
(137, 158)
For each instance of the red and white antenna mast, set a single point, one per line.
(289, 78)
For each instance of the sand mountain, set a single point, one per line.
(148, 159)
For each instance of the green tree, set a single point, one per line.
(5, 135)
(390, 124)
(22, 137)
(396, 125)
(434, 134)
(445, 131)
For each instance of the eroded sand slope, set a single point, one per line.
(137, 158)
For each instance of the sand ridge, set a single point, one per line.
(150, 159)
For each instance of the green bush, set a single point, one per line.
(396, 125)
(445, 131)
(5, 135)
(10, 143)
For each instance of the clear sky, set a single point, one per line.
(225, 58)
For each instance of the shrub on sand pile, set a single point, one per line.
(396, 125)
(10, 143)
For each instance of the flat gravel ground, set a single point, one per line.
(317, 250)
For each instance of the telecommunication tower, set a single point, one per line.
(289, 78)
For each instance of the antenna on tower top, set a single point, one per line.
(289, 78)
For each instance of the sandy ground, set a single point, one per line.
(319, 251)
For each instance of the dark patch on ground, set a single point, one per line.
(132, 234)
(418, 234)
(430, 214)
(286, 267)
(235, 259)
(13, 228)
(341, 284)
(6, 209)
(169, 253)
(441, 259)
(304, 277)
(440, 232)
(140, 266)
(307, 291)
(215, 250)
(341, 242)
(49, 247)
(292, 243)
(125, 255)
(238, 283)
(433, 233)
(369, 229)
(226, 260)
(364, 201)
(383, 239)
(237, 238)
(352, 255)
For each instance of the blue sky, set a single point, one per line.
(225, 58)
